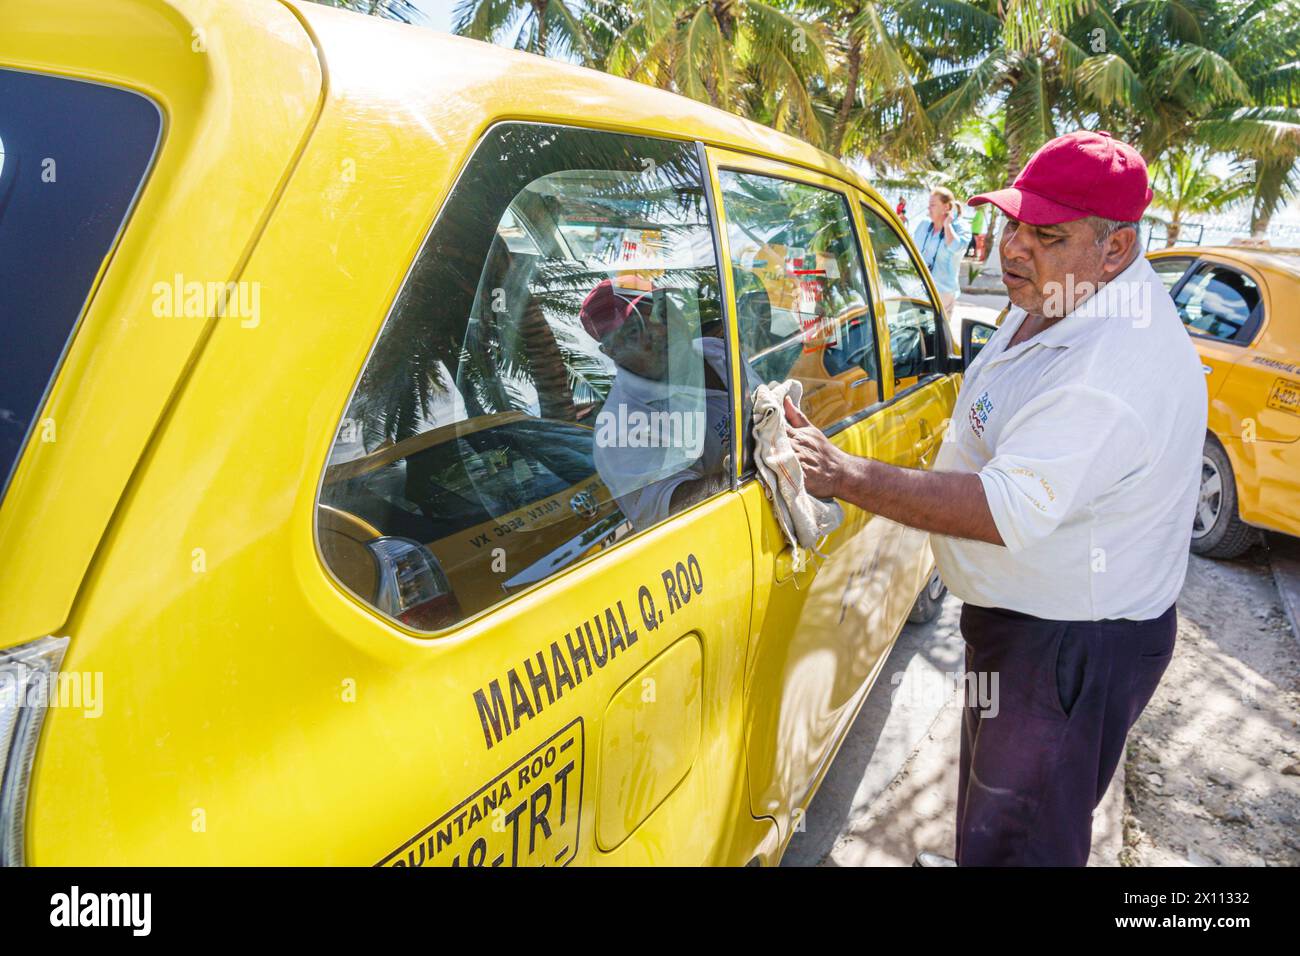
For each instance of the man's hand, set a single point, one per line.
(948, 503)
(822, 462)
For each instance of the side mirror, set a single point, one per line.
(974, 336)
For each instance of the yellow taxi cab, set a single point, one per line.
(1239, 305)
(377, 478)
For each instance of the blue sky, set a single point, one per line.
(437, 13)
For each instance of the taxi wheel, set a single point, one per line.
(930, 601)
(1217, 530)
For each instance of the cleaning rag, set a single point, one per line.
(805, 520)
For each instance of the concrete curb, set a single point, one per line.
(1284, 558)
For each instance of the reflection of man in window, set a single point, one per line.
(665, 428)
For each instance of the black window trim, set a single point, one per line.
(735, 385)
(106, 263)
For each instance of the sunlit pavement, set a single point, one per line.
(983, 308)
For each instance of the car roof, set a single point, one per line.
(1281, 258)
(530, 87)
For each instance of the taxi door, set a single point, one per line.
(821, 625)
(1222, 308)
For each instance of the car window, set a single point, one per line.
(72, 158)
(1219, 302)
(803, 310)
(917, 343)
(1170, 269)
(553, 377)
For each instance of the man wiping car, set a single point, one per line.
(1061, 501)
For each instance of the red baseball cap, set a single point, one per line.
(606, 308)
(1084, 173)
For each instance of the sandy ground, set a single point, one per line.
(1209, 779)
(1213, 771)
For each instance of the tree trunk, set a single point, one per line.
(726, 19)
(539, 8)
(1013, 163)
(1269, 177)
(989, 232)
(1172, 231)
(850, 91)
(550, 374)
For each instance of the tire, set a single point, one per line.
(930, 601)
(1217, 529)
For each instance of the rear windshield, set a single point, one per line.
(72, 157)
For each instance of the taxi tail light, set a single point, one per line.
(28, 682)
(412, 586)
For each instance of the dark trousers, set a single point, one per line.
(1048, 707)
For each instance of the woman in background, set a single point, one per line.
(942, 239)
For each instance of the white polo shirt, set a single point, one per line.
(1087, 439)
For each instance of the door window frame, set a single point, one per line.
(1191, 263)
(722, 158)
(1250, 331)
(945, 366)
(707, 185)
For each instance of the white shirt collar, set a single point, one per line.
(1114, 299)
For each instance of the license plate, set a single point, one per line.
(1285, 396)
(527, 815)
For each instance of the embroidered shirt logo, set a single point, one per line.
(979, 414)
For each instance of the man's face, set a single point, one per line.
(1038, 260)
(640, 344)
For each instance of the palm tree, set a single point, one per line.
(985, 55)
(605, 21)
(747, 56)
(1270, 136)
(404, 11)
(1171, 75)
(1162, 74)
(875, 111)
(1183, 184)
(540, 26)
